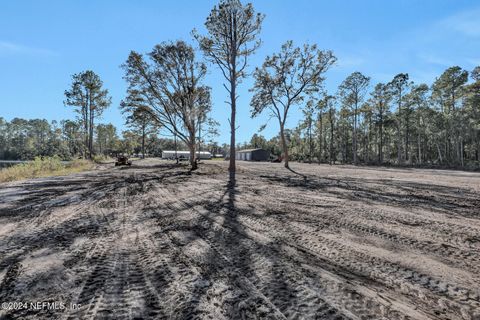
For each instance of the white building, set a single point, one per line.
(168, 154)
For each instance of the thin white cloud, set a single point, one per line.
(9, 48)
(465, 22)
(434, 59)
(350, 61)
(474, 61)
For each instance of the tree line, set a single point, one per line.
(22, 139)
(398, 122)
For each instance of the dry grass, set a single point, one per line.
(51, 166)
(102, 159)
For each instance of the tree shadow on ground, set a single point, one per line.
(41, 195)
(303, 176)
(162, 166)
(58, 241)
(235, 256)
(439, 198)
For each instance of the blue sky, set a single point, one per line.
(42, 43)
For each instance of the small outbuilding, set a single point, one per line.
(253, 155)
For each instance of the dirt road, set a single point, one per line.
(154, 242)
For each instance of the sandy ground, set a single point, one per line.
(154, 242)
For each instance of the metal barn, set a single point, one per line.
(253, 155)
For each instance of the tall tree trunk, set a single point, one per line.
(456, 140)
(233, 98)
(461, 152)
(325, 146)
(425, 149)
(90, 145)
(192, 143)
(419, 148)
(399, 132)
(86, 120)
(199, 140)
(331, 137)
(407, 136)
(354, 138)
(193, 160)
(175, 141)
(380, 148)
(369, 138)
(407, 142)
(439, 153)
(231, 167)
(284, 146)
(310, 141)
(447, 132)
(320, 137)
(143, 141)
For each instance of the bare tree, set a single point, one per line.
(285, 79)
(170, 86)
(232, 31)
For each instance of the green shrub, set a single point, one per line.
(100, 158)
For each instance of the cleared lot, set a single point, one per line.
(152, 241)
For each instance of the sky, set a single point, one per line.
(42, 43)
